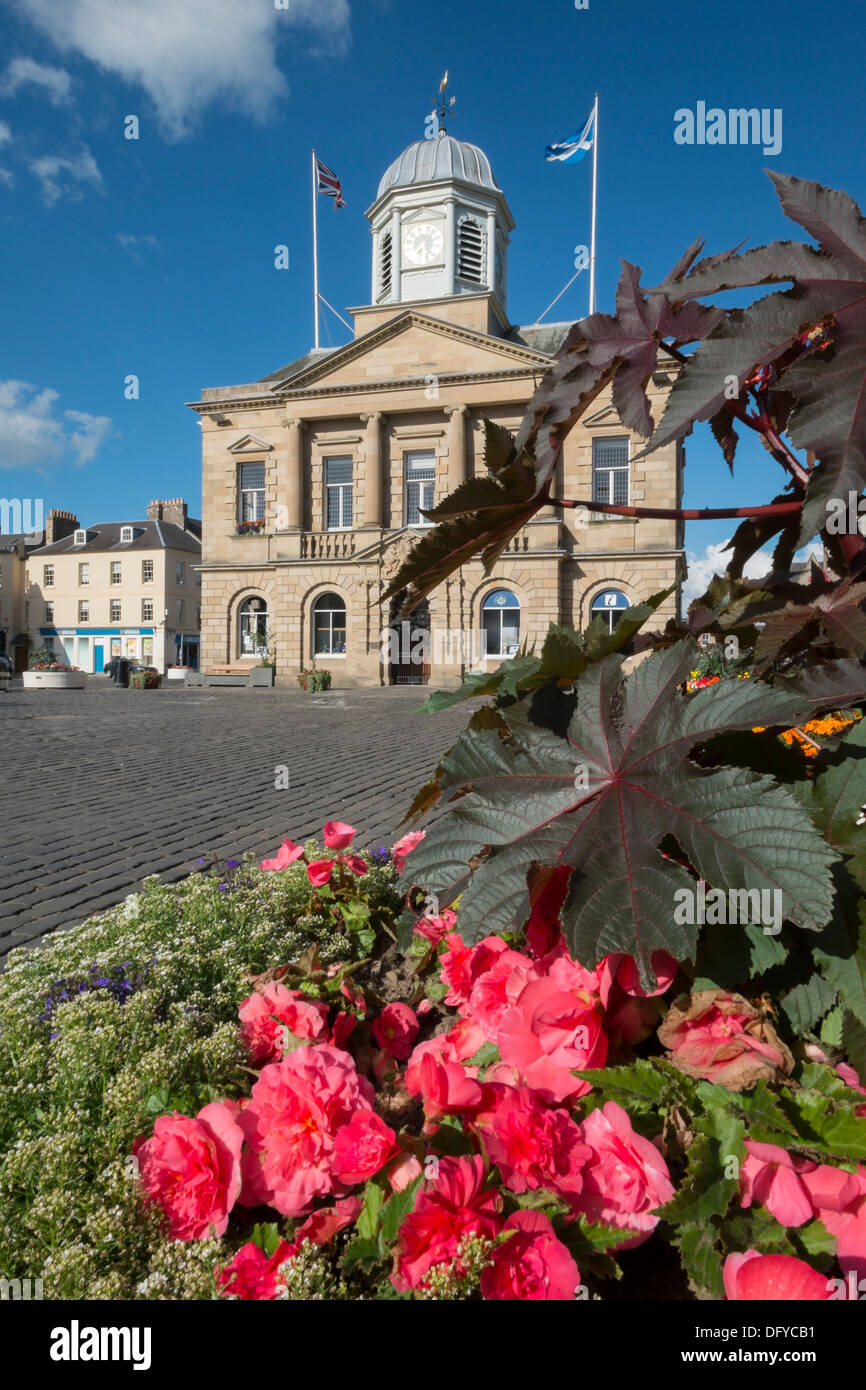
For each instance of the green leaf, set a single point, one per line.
(758, 1106)
(396, 1209)
(753, 1228)
(815, 1242)
(630, 739)
(831, 1028)
(854, 1043)
(361, 1251)
(701, 1259)
(829, 1127)
(369, 1220)
(805, 1005)
(708, 1189)
(266, 1235)
(843, 964)
(639, 1082)
(486, 1055)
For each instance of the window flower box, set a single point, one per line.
(250, 528)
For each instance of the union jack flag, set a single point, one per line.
(328, 183)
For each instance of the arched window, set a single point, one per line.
(610, 604)
(254, 634)
(500, 622)
(470, 250)
(385, 264)
(329, 626)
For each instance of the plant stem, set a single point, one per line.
(681, 513)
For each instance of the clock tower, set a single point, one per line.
(440, 226)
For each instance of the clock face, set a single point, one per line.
(422, 244)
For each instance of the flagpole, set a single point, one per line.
(315, 253)
(594, 205)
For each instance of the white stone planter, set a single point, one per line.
(54, 680)
(176, 673)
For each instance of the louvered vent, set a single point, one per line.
(385, 263)
(470, 251)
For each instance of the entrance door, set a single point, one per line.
(409, 646)
(98, 657)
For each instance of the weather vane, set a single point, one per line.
(442, 106)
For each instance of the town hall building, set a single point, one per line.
(316, 477)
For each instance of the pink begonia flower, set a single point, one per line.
(404, 847)
(446, 1088)
(531, 1265)
(496, 989)
(295, 1111)
(549, 891)
(433, 929)
(458, 1045)
(403, 1172)
(777, 1278)
(338, 835)
(625, 1177)
(343, 1026)
(396, 1029)
(847, 1074)
(319, 872)
(321, 1227)
(424, 1007)
(192, 1169)
(629, 1019)
(355, 864)
(839, 1199)
(362, 1147)
(454, 1205)
(263, 1015)
(772, 1177)
(549, 1033)
(664, 967)
(287, 853)
(252, 1275)
(461, 965)
(720, 1037)
(531, 1145)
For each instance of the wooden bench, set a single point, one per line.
(235, 673)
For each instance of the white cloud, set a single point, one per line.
(91, 432)
(133, 244)
(5, 133)
(191, 54)
(34, 434)
(715, 560)
(61, 177)
(25, 72)
(6, 177)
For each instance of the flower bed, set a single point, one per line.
(255, 1094)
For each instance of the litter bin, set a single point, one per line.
(5, 672)
(122, 674)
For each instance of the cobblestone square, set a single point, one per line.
(104, 785)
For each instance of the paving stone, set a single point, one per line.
(127, 787)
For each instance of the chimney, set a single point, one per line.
(174, 510)
(58, 525)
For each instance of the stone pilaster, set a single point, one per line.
(373, 469)
(456, 446)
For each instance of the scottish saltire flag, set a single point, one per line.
(575, 147)
(328, 183)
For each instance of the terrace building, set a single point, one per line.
(119, 588)
(316, 477)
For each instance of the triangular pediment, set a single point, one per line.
(410, 347)
(250, 444)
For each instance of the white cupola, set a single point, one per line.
(440, 225)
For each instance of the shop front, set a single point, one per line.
(90, 649)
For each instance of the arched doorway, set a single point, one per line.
(409, 645)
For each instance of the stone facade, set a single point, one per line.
(417, 377)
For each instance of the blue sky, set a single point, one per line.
(155, 257)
